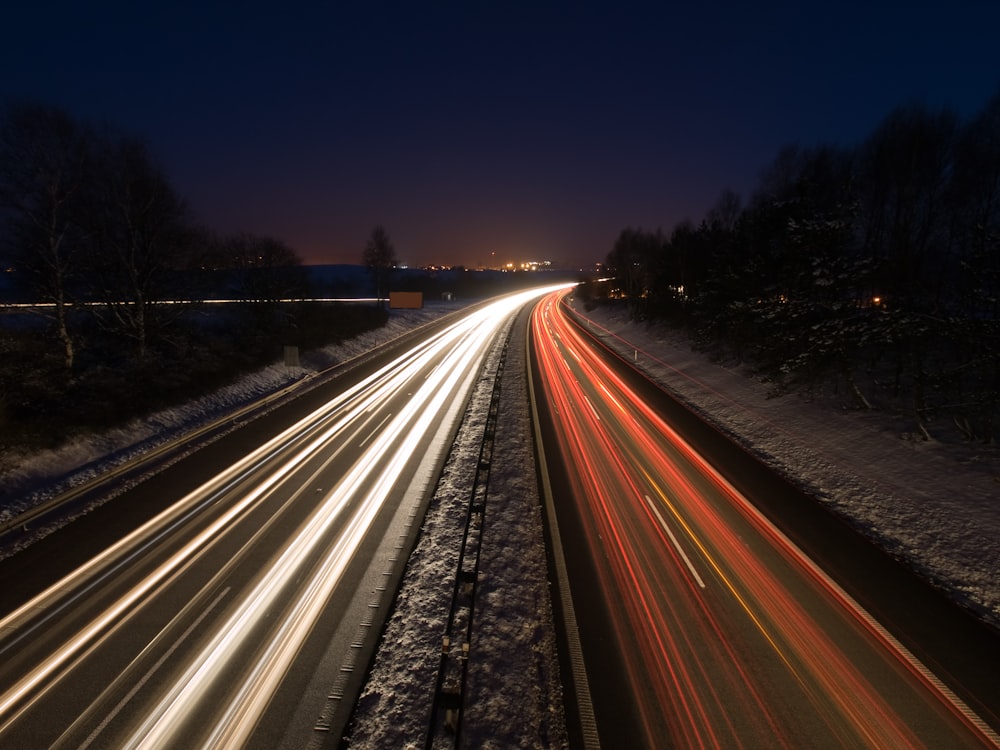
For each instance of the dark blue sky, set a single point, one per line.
(534, 130)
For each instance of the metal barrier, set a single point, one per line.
(456, 643)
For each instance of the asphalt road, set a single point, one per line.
(234, 599)
(704, 622)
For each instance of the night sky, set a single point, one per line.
(534, 131)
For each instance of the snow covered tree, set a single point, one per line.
(783, 284)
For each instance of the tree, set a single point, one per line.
(781, 282)
(678, 271)
(905, 168)
(45, 171)
(974, 201)
(140, 229)
(380, 258)
(265, 268)
(725, 211)
(633, 261)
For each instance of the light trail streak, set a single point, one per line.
(263, 631)
(699, 674)
(156, 666)
(240, 716)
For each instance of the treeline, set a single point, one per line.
(91, 226)
(88, 216)
(875, 269)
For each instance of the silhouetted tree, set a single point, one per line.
(725, 212)
(266, 269)
(782, 276)
(876, 267)
(140, 231)
(678, 271)
(974, 202)
(905, 169)
(633, 261)
(380, 258)
(46, 162)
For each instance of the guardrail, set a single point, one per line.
(456, 643)
(147, 460)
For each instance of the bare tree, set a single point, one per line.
(974, 192)
(380, 257)
(45, 161)
(725, 211)
(904, 167)
(140, 229)
(974, 203)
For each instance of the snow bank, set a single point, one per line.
(33, 478)
(933, 505)
(513, 693)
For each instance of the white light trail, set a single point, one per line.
(465, 350)
(390, 448)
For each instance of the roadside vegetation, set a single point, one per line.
(115, 274)
(205, 348)
(871, 272)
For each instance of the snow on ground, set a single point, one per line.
(513, 692)
(934, 505)
(28, 480)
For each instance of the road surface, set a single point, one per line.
(243, 613)
(720, 631)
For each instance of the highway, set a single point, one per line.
(719, 630)
(230, 618)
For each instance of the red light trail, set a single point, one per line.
(730, 634)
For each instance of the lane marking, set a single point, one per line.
(375, 432)
(152, 670)
(673, 539)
